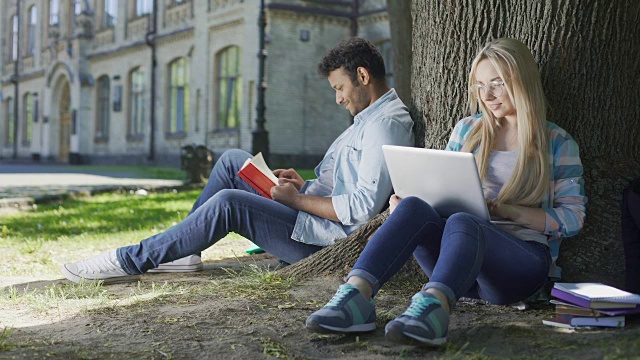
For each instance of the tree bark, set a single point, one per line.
(587, 53)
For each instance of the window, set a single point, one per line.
(33, 21)
(27, 123)
(110, 13)
(77, 7)
(179, 96)
(144, 7)
(54, 12)
(387, 55)
(229, 81)
(14, 38)
(136, 102)
(102, 109)
(8, 122)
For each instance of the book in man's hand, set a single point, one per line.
(257, 174)
(595, 296)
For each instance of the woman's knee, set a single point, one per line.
(416, 206)
(463, 218)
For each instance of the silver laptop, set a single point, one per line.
(447, 180)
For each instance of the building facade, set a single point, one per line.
(87, 91)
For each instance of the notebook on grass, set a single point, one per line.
(447, 180)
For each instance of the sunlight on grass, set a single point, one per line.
(37, 243)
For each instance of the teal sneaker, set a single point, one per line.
(347, 311)
(425, 320)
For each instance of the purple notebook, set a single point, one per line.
(609, 308)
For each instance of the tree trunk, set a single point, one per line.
(587, 52)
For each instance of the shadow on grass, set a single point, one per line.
(103, 214)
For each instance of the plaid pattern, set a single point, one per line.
(565, 204)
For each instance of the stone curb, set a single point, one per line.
(26, 203)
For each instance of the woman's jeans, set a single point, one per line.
(226, 204)
(462, 255)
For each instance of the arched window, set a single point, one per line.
(136, 102)
(179, 74)
(14, 38)
(27, 122)
(54, 12)
(103, 112)
(229, 82)
(33, 22)
(387, 55)
(8, 122)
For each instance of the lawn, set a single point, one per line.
(36, 243)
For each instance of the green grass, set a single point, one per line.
(38, 242)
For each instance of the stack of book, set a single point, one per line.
(591, 305)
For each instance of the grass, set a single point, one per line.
(5, 342)
(38, 242)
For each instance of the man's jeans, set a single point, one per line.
(462, 255)
(227, 204)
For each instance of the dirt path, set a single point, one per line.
(204, 316)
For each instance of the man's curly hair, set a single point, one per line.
(351, 54)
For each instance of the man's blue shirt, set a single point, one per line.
(361, 183)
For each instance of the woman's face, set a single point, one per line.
(492, 91)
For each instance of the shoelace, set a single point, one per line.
(418, 305)
(342, 292)
(94, 267)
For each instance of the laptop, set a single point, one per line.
(447, 180)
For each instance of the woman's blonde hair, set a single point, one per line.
(518, 70)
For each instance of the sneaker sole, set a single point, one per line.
(112, 280)
(176, 268)
(314, 326)
(402, 337)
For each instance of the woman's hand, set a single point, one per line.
(533, 218)
(393, 203)
(289, 176)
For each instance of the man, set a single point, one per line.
(352, 185)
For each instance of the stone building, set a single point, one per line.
(85, 92)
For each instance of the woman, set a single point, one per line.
(531, 174)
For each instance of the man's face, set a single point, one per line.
(354, 97)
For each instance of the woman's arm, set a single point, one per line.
(533, 218)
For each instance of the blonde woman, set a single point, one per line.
(531, 174)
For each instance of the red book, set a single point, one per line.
(257, 174)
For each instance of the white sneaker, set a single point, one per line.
(186, 264)
(105, 267)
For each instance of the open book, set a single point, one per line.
(257, 174)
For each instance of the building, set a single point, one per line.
(85, 84)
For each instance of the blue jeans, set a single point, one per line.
(462, 255)
(226, 204)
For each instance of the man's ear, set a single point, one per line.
(363, 75)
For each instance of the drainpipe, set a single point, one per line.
(16, 76)
(151, 42)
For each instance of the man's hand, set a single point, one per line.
(289, 176)
(393, 203)
(286, 194)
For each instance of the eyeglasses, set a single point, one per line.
(495, 87)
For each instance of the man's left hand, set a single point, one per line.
(286, 194)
